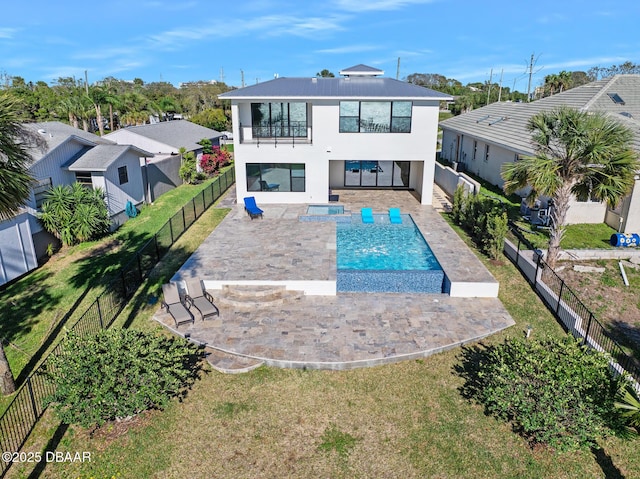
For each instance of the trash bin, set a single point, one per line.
(625, 239)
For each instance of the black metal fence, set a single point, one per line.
(26, 408)
(572, 313)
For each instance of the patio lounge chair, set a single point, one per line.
(200, 299)
(394, 216)
(367, 215)
(251, 208)
(264, 186)
(176, 307)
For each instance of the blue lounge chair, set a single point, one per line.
(251, 208)
(264, 186)
(367, 215)
(394, 216)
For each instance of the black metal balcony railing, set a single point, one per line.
(292, 132)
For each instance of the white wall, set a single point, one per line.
(325, 144)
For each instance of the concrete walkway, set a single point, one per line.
(271, 325)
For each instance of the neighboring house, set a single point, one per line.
(482, 140)
(68, 155)
(297, 138)
(165, 139)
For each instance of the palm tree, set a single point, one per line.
(15, 185)
(578, 153)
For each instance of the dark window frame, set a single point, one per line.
(266, 186)
(273, 128)
(123, 175)
(393, 125)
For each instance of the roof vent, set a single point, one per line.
(42, 131)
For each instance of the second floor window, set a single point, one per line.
(375, 116)
(269, 120)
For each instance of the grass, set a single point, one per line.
(406, 420)
(39, 304)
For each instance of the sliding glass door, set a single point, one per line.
(376, 174)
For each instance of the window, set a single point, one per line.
(486, 153)
(617, 99)
(269, 120)
(475, 149)
(84, 178)
(40, 190)
(122, 175)
(375, 117)
(275, 177)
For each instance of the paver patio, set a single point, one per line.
(348, 330)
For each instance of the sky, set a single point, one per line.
(255, 40)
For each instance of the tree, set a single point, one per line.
(325, 74)
(15, 185)
(75, 213)
(578, 153)
(213, 118)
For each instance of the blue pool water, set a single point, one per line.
(385, 257)
(383, 246)
(325, 210)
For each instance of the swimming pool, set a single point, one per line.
(385, 257)
(325, 210)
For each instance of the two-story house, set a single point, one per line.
(295, 139)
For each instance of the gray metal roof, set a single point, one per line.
(176, 133)
(343, 88)
(361, 70)
(55, 133)
(100, 157)
(505, 123)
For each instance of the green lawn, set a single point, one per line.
(37, 306)
(406, 420)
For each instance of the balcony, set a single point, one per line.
(292, 133)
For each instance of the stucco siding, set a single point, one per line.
(325, 146)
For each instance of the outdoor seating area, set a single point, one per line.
(280, 307)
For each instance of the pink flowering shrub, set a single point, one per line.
(211, 163)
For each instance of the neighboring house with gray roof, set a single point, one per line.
(482, 140)
(68, 155)
(297, 138)
(164, 139)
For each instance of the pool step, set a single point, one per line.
(246, 297)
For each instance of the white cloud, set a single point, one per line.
(375, 5)
(8, 32)
(348, 49)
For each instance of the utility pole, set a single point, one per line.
(222, 75)
(86, 83)
(530, 75)
(500, 91)
(489, 92)
(242, 78)
(398, 70)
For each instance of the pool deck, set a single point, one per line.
(274, 282)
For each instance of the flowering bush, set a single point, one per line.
(211, 163)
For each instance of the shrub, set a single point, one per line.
(554, 391)
(74, 213)
(188, 171)
(119, 373)
(483, 218)
(211, 163)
